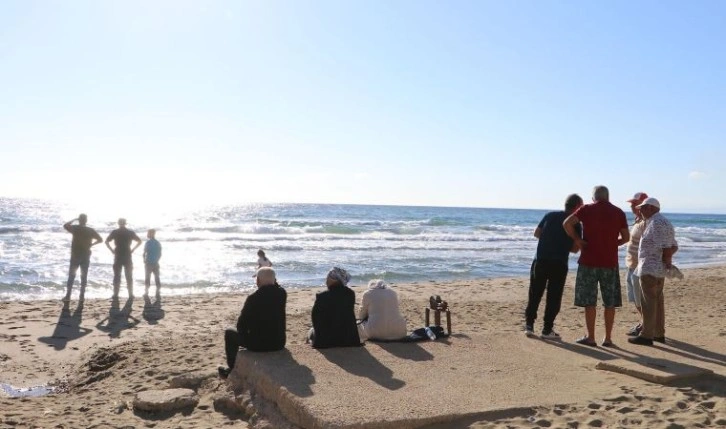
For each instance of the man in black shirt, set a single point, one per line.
(261, 325)
(122, 251)
(84, 238)
(549, 269)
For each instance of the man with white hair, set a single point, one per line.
(261, 324)
(605, 228)
(655, 257)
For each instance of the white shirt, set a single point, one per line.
(631, 255)
(263, 262)
(658, 235)
(385, 321)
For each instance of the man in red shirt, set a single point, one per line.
(605, 228)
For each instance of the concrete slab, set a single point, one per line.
(655, 370)
(398, 385)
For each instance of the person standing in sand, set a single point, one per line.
(122, 258)
(631, 258)
(84, 237)
(549, 268)
(333, 315)
(152, 255)
(655, 257)
(261, 324)
(605, 228)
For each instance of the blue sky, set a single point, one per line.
(483, 103)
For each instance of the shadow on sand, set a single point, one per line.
(152, 312)
(360, 362)
(68, 327)
(118, 319)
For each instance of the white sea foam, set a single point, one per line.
(214, 249)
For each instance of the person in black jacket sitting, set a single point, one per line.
(261, 324)
(334, 323)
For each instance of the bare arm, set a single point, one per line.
(67, 225)
(138, 243)
(668, 255)
(624, 236)
(538, 232)
(96, 239)
(108, 239)
(569, 226)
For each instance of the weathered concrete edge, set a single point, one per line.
(292, 409)
(659, 379)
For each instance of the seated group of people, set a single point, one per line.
(262, 323)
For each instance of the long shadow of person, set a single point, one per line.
(411, 351)
(360, 362)
(694, 352)
(281, 366)
(68, 327)
(118, 319)
(152, 312)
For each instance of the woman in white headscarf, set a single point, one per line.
(380, 315)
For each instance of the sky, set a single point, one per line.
(512, 104)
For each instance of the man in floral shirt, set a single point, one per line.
(655, 257)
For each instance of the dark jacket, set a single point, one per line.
(334, 318)
(261, 325)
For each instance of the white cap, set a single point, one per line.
(650, 201)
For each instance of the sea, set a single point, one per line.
(214, 248)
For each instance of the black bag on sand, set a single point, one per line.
(420, 334)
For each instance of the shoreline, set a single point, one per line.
(43, 342)
(245, 289)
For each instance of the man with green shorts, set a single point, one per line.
(605, 228)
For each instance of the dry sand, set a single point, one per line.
(99, 356)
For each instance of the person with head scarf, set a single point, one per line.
(261, 324)
(333, 314)
(380, 316)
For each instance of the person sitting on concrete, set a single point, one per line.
(261, 325)
(333, 315)
(380, 316)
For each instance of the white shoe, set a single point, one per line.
(529, 331)
(551, 335)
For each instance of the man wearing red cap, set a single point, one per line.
(631, 258)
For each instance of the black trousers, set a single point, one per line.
(232, 342)
(545, 275)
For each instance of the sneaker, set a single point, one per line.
(551, 335)
(529, 331)
(635, 330)
(640, 341)
(223, 371)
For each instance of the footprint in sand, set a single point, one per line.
(708, 404)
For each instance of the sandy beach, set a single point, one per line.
(100, 355)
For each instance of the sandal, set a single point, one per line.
(607, 343)
(585, 341)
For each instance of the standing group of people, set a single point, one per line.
(597, 230)
(85, 237)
